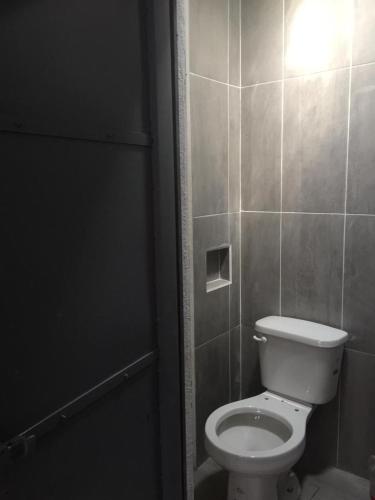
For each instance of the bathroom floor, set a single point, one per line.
(332, 484)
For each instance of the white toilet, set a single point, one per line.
(259, 439)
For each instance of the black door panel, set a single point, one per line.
(109, 452)
(89, 250)
(76, 265)
(74, 67)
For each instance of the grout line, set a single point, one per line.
(282, 155)
(338, 423)
(240, 35)
(360, 65)
(314, 73)
(261, 83)
(345, 216)
(213, 80)
(295, 213)
(209, 341)
(356, 351)
(360, 215)
(240, 200)
(306, 75)
(346, 176)
(228, 198)
(214, 215)
(259, 212)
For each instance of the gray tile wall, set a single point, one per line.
(261, 40)
(215, 107)
(317, 35)
(315, 137)
(308, 198)
(311, 266)
(261, 152)
(282, 113)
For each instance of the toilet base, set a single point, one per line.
(244, 487)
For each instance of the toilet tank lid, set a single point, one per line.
(299, 330)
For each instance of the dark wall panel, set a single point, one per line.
(74, 67)
(108, 452)
(76, 264)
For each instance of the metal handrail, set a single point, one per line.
(24, 443)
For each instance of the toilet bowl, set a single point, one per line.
(256, 440)
(259, 439)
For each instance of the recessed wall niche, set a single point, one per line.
(218, 268)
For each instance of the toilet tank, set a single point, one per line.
(300, 359)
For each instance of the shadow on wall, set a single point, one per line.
(251, 379)
(320, 453)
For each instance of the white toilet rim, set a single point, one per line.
(297, 429)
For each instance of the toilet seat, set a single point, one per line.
(261, 435)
